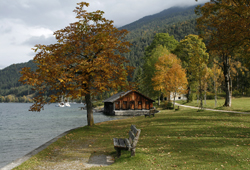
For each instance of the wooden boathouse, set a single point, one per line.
(128, 103)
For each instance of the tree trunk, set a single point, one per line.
(200, 94)
(159, 100)
(231, 87)
(227, 81)
(189, 94)
(201, 101)
(90, 118)
(215, 92)
(174, 100)
(205, 98)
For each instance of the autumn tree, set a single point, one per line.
(85, 61)
(225, 24)
(149, 71)
(169, 77)
(162, 44)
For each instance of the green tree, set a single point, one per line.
(162, 39)
(149, 71)
(85, 61)
(138, 78)
(190, 50)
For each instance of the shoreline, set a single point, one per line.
(26, 157)
(19, 161)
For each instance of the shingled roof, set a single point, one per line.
(121, 94)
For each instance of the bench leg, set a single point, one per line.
(118, 151)
(133, 152)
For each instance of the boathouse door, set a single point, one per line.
(117, 105)
(132, 105)
(124, 106)
(140, 105)
(147, 105)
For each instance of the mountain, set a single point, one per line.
(176, 21)
(163, 18)
(9, 77)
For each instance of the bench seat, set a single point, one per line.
(127, 143)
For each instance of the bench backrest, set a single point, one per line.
(134, 134)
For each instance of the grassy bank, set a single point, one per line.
(238, 104)
(184, 139)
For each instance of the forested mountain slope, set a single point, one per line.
(176, 21)
(9, 77)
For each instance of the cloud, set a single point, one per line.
(24, 23)
(17, 39)
(54, 14)
(40, 40)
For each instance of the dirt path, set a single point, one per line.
(192, 107)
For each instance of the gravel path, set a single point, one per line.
(192, 107)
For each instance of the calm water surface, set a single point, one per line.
(21, 131)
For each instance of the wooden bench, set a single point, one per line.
(178, 108)
(127, 144)
(151, 112)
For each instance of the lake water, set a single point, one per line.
(22, 131)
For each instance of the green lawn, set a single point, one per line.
(184, 139)
(238, 104)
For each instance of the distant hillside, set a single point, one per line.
(9, 77)
(176, 21)
(161, 19)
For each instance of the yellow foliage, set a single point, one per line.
(169, 75)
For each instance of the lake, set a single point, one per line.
(22, 131)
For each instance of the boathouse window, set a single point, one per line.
(179, 97)
(139, 102)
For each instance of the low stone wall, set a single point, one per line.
(130, 112)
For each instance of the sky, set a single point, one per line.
(25, 23)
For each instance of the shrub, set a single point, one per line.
(168, 105)
(236, 93)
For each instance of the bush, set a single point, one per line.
(248, 92)
(210, 96)
(168, 105)
(97, 103)
(236, 93)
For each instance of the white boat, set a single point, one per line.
(60, 104)
(67, 104)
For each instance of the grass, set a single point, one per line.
(238, 104)
(184, 139)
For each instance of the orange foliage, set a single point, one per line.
(170, 76)
(85, 60)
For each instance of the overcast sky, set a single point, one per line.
(24, 23)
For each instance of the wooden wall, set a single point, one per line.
(133, 101)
